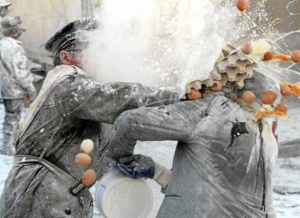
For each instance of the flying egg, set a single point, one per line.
(87, 146)
(83, 159)
(89, 177)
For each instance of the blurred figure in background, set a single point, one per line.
(16, 80)
(3, 12)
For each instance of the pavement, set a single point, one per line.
(286, 179)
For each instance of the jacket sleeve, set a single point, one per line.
(173, 122)
(19, 64)
(80, 97)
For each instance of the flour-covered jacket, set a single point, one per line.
(14, 74)
(223, 162)
(45, 180)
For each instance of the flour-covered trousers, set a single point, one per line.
(13, 108)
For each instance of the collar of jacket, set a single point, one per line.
(54, 77)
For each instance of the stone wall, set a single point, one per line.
(42, 18)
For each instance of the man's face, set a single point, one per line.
(76, 57)
(76, 51)
(3, 11)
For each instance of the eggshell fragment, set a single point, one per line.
(295, 56)
(89, 177)
(247, 48)
(87, 146)
(242, 5)
(268, 97)
(83, 159)
(286, 90)
(282, 107)
(248, 97)
(194, 94)
(268, 56)
(217, 86)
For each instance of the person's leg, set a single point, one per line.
(13, 108)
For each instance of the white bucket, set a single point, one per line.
(119, 196)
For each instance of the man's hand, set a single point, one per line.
(137, 166)
(31, 92)
(140, 166)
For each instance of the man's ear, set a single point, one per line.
(64, 57)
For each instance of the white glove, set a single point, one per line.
(162, 175)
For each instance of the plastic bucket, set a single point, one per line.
(118, 195)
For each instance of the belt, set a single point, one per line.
(74, 185)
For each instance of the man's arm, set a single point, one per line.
(21, 71)
(81, 97)
(174, 122)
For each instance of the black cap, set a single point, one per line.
(73, 33)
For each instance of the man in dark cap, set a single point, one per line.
(225, 156)
(16, 81)
(44, 180)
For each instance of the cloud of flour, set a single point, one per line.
(159, 43)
